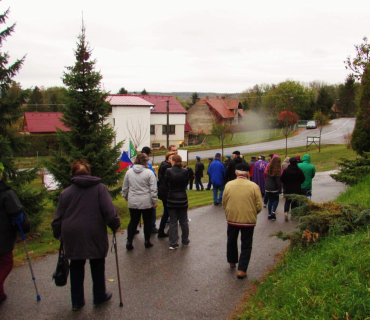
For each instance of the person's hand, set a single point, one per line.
(155, 206)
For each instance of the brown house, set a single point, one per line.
(206, 111)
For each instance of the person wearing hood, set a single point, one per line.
(163, 192)
(227, 161)
(84, 211)
(140, 191)
(251, 166)
(309, 171)
(230, 171)
(292, 178)
(285, 163)
(273, 186)
(10, 208)
(258, 171)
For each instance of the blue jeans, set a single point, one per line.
(273, 201)
(216, 189)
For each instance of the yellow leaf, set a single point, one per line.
(111, 280)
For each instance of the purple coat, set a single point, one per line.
(258, 170)
(83, 213)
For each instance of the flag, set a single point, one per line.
(125, 161)
(131, 151)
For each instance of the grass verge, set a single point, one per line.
(327, 280)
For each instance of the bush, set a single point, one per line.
(38, 144)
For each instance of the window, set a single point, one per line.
(156, 145)
(152, 129)
(171, 131)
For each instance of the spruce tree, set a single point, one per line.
(361, 133)
(85, 113)
(10, 141)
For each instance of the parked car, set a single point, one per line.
(311, 125)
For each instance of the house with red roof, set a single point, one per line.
(145, 117)
(43, 122)
(206, 111)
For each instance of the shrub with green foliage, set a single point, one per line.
(353, 171)
(40, 145)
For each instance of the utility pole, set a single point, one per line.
(168, 123)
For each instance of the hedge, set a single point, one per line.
(38, 144)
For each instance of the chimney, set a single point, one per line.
(223, 98)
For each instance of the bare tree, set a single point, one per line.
(137, 132)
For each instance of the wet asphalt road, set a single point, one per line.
(193, 282)
(331, 134)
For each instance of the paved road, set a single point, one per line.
(194, 282)
(331, 134)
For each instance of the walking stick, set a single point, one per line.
(18, 221)
(118, 276)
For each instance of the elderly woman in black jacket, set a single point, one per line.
(177, 179)
(83, 213)
(163, 192)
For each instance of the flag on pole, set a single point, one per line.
(131, 151)
(125, 161)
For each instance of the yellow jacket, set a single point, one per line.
(242, 201)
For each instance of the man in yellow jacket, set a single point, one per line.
(242, 201)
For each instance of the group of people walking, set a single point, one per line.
(85, 209)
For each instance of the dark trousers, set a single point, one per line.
(290, 204)
(178, 215)
(198, 183)
(265, 199)
(77, 272)
(209, 185)
(164, 218)
(6, 266)
(154, 217)
(246, 245)
(135, 215)
(191, 184)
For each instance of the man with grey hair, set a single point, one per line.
(242, 201)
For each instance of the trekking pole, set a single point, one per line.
(118, 276)
(18, 221)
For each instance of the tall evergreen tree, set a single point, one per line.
(361, 133)
(122, 91)
(324, 101)
(11, 101)
(347, 96)
(85, 113)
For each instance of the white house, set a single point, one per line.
(146, 115)
(130, 118)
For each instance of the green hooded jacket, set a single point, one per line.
(308, 170)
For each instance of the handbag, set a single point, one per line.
(61, 273)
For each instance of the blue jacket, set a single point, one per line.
(217, 172)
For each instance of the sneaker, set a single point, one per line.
(273, 217)
(232, 265)
(216, 203)
(175, 246)
(286, 216)
(148, 244)
(241, 274)
(185, 244)
(76, 307)
(269, 217)
(265, 206)
(107, 297)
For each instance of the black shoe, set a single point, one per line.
(136, 232)
(148, 244)
(208, 189)
(108, 296)
(129, 246)
(269, 217)
(202, 189)
(76, 307)
(162, 234)
(216, 203)
(154, 230)
(273, 217)
(3, 298)
(174, 247)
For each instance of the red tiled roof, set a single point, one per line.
(221, 106)
(187, 127)
(160, 104)
(125, 100)
(43, 122)
(242, 113)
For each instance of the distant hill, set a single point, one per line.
(185, 95)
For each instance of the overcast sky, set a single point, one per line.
(216, 46)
